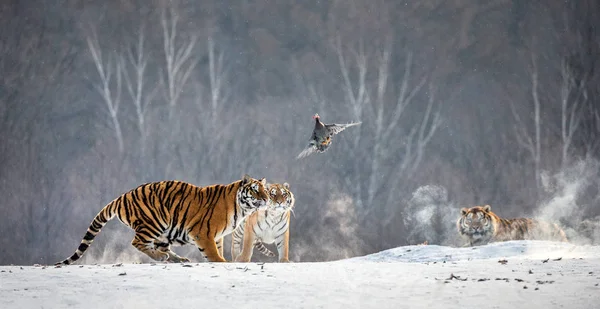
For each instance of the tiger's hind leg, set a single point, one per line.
(146, 246)
(173, 257)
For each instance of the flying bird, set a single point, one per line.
(321, 136)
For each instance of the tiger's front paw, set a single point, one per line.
(242, 260)
(284, 261)
(216, 260)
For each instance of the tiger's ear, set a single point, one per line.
(463, 211)
(263, 181)
(487, 208)
(286, 185)
(246, 179)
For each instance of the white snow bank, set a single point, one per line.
(530, 275)
(515, 249)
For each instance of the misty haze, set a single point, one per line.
(462, 103)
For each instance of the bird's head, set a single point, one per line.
(316, 117)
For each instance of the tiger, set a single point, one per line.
(478, 225)
(270, 225)
(175, 212)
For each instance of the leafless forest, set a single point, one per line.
(462, 102)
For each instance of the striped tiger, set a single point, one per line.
(270, 225)
(479, 225)
(175, 212)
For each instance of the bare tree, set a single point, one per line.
(572, 96)
(388, 104)
(591, 135)
(179, 63)
(109, 89)
(531, 142)
(140, 96)
(209, 115)
(217, 77)
(581, 49)
(210, 129)
(356, 99)
(179, 60)
(535, 144)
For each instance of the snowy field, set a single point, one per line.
(516, 274)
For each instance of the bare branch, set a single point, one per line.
(105, 72)
(179, 60)
(383, 74)
(404, 98)
(138, 60)
(356, 100)
(536, 119)
(427, 128)
(402, 166)
(523, 137)
(361, 93)
(217, 75)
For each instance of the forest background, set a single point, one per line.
(462, 103)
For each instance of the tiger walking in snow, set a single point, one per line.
(266, 226)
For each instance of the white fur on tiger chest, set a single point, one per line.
(271, 227)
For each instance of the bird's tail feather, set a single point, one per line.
(305, 153)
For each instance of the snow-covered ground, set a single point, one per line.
(516, 274)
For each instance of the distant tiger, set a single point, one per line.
(270, 225)
(175, 212)
(479, 225)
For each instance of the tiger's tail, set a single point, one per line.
(105, 215)
(264, 250)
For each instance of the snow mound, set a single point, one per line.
(530, 249)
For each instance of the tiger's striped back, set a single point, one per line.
(479, 225)
(270, 225)
(174, 212)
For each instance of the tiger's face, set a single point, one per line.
(476, 222)
(253, 194)
(280, 197)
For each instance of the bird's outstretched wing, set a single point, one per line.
(336, 128)
(307, 151)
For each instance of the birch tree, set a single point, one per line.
(217, 77)
(528, 140)
(356, 98)
(179, 60)
(179, 64)
(572, 97)
(591, 133)
(383, 106)
(211, 109)
(110, 84)
(136, 59)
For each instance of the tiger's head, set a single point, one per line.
(476, 224)
(280, 197)
(252, 194)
